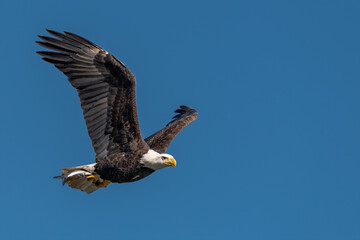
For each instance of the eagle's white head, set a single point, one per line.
(156, 161)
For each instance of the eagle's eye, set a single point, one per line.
(163, 158)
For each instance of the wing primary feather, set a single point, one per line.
(59, 43)
(79, 70)
(74, 75)
(67, 39)
(61, 57)
(56, 63)
(82, 59)
(51, 46)
(81, 39)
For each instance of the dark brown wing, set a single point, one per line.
(106, 88)
(161, 140)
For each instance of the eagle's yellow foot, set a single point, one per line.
(104, 183)
(97, 180)
(92, 178)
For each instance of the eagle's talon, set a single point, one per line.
(91, 178)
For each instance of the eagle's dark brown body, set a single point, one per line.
(106, 89)
(122, 167)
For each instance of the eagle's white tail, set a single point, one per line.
(83, 178)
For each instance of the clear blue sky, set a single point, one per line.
(274, 153)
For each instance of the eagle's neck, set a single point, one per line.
(152, 160)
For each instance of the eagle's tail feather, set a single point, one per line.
(83, 178)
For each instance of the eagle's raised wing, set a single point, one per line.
(161, 140)
(106, 88)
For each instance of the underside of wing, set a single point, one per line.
(106, 88)
(161, 140)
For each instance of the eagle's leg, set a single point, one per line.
(97, 180)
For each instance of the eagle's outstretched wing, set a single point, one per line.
(161, 140)
(106, 88)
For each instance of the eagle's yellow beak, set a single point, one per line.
(171, 162)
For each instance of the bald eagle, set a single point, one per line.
(106, 88)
